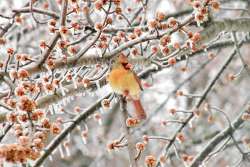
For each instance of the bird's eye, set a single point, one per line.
(112, 61)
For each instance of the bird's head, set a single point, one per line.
(121, 61)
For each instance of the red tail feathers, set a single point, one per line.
(140, 113)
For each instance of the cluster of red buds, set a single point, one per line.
(140, 146)
(16, 153)
(26, 148)
(132, 122)
(187, 158)
(150, 161)
(99, 4)
(246, 141)
(26, 104)
(115, 145)
(201, 9)
(106, 103)
(180, 137)
(158, 24)
(246, 116)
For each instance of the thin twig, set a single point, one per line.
(237, 47)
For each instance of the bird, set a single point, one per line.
(124, 81)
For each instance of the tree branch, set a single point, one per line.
(57, 35)
(216, 140)
(201, 100)
(37, 10)
(59, 138)
(131, 144)
(228, 25)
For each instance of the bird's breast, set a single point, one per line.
(122, 80)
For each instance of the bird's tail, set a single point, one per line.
(140, 112)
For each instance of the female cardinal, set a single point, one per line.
(124, 81)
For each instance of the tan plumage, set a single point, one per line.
(124, 81)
